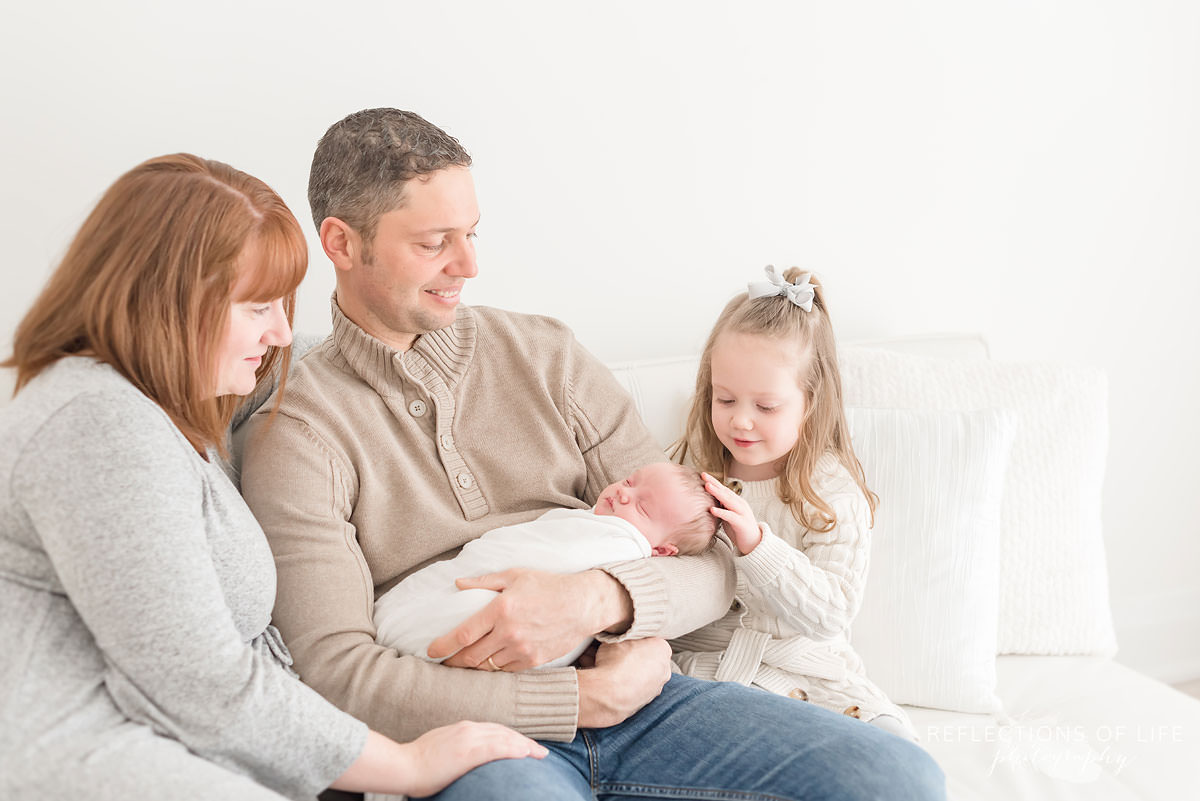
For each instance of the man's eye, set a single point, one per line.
(432, 248)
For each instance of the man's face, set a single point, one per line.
(422, 254)
(652, 499)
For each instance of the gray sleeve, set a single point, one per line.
(117, 502)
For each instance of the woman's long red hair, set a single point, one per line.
(146, 285)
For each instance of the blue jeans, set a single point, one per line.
(717, 740)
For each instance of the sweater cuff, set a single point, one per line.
(762, 565)
(648, 592)
(547, 704)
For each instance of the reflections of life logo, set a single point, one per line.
(1068, 752)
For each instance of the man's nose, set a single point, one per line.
(463, 262)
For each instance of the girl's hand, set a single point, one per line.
(735, 513)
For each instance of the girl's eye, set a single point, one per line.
(767, 409)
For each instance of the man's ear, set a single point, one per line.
(666, 549)
(341, 243)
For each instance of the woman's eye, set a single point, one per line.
(724, 401)
(259, 311)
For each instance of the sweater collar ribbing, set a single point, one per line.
(446, 351)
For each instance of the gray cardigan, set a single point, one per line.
(135, 585)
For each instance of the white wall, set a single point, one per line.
(1023, 169)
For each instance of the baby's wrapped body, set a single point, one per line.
(427, 604)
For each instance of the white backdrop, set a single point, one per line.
(1026, 169)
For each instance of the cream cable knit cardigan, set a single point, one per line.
(797, 593)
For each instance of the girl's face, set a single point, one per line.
(757, 403)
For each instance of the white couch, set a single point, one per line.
(987, 566)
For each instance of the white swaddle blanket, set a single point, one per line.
(426, 605)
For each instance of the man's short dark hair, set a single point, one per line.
(363, 163)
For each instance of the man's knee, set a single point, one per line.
(549, 779)
(899, 770)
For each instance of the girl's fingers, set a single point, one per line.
(723, 513)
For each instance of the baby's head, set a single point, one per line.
(668, 504)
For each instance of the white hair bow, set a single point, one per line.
(801, 293)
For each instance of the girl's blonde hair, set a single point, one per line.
(823, 428)
(147, 282)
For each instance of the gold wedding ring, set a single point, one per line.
(493, 664)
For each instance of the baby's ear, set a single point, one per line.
(666, 549)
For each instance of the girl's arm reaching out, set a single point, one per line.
(816, 592)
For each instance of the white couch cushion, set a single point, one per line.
(927, 627)
(1053, 577)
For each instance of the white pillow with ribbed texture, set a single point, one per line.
(926, 630)
(1053, 573)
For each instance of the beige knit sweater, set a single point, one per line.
(380, 462)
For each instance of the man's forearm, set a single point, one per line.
(672, 596)
(611, 601)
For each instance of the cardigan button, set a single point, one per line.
(465, 481)
(853, 711)
(417, 408)
(447, 442)
(798, 694)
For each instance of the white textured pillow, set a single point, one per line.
(1053, 576)
(927, 627)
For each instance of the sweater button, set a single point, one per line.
(417, 408)
(447, 442)
(465, 481)
(798, 694)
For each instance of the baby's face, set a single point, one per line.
(653, 499)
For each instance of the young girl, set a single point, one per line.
(767, 421)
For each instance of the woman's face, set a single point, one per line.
(251, 329)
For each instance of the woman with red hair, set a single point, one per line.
(137, 587)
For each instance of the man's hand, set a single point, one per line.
(627, 676)
(537, 617)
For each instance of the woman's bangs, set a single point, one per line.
(281, 263)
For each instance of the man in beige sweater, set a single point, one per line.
(419, 424)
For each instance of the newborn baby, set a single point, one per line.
(660, 510)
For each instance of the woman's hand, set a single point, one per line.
(735, 513)
(431, 762)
